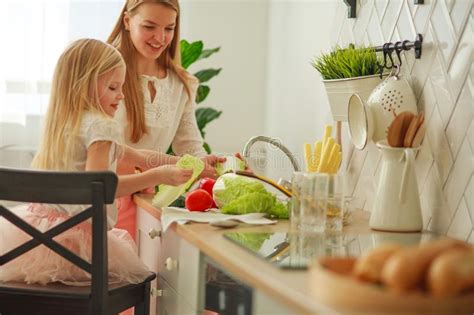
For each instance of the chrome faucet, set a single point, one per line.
(272, 141)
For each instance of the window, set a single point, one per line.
(34, 33)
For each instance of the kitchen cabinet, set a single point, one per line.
(171, 302)
(182, 271)
(149, 248)
(181, 257)
(177, 263)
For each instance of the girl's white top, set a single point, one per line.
(95, 127)
(170, 117)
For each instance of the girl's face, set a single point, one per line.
(151, 28)
(109, 88)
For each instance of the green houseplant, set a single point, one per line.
(191, 53)
(347, 63)
(346, 71)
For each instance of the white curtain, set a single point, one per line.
(33, 35)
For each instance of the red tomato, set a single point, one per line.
(198, 200)
(207, 184)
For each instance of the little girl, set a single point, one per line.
(81, 135)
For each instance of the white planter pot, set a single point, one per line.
(339, 91)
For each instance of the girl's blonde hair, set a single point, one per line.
(170, 59)
(73, 92)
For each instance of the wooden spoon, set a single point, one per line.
(420, 133)
(412, 129)
(398, 129)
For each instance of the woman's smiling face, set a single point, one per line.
(151, 28)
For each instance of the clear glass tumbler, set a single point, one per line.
(335, 203)
(309, 201)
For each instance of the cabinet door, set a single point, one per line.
(148, 247)
(173, 259)
(182, 267)
(172, 303)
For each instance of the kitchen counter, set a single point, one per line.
(290, 288)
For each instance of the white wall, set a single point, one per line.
(296, 105)
(239, 28)
(297, 109)
(267, 85)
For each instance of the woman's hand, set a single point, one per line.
(247, 168)
(210, 163)
(171, 175)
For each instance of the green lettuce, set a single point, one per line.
(241, 195)
(166, 193)
(231, 164)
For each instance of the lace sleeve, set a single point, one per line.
(188, 137)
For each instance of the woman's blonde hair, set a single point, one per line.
(170, 59)
(73, 92)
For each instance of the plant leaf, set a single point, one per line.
(207, 147)
(207, 74)
(347, 63)
(202, 93)
(208, 52)
(190, 52)
(205, 115)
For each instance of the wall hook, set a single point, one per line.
(351, 8)
(417, 45)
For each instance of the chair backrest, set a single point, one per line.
(88, 188)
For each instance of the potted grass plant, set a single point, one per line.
(346, 71)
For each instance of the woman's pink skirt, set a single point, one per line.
(42, 265)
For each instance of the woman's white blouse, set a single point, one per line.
(169, 117)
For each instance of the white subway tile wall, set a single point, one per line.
(443, 83)
(468, 196)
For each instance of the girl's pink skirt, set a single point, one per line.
(127, 215)
(42, 265)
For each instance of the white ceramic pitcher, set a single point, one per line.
(397, 201)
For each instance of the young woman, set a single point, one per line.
(159, 106)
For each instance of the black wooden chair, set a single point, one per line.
(89, 188)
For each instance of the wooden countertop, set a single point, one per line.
(289, 287)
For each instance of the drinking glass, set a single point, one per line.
(335, 202)
(309, 201)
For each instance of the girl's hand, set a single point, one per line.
(171, 175)
(210, 163)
